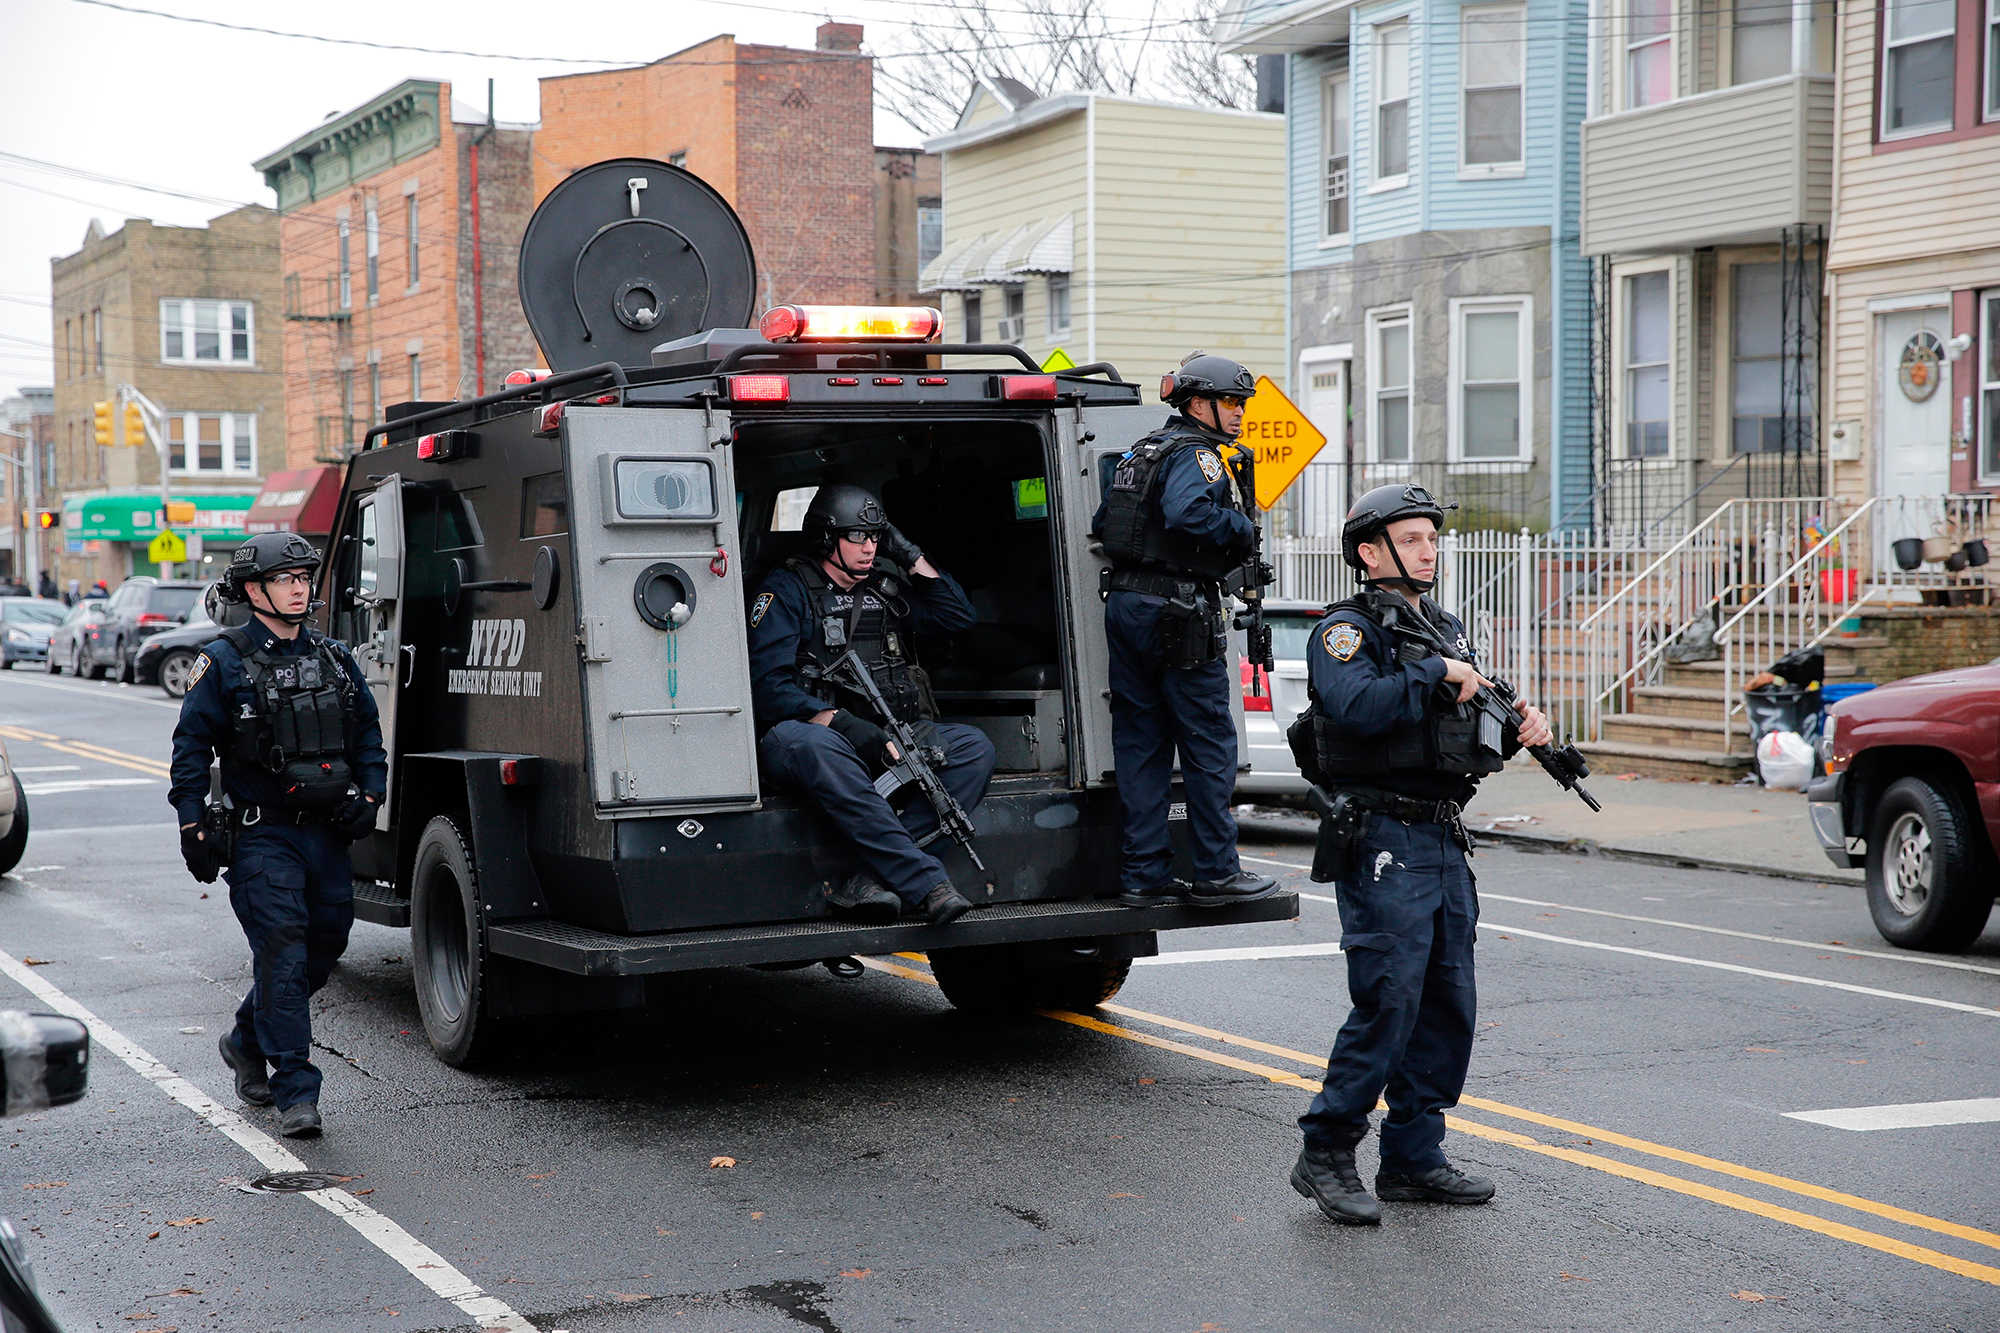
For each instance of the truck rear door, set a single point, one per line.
(378, 597)
(663, 635)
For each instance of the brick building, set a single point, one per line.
(191, 317)
(398, 274)
(785, 135)
(909, 222)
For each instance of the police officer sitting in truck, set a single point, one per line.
(303, 772)
(1173, 526)
(866, 587)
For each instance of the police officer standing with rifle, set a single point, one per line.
(845, 713)
(303, 773)
(1400, 728)
(1176, 526)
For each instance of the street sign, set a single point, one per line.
(1284, 440)
(169, 549)
(1058, 360)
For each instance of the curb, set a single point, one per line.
(1290, 831)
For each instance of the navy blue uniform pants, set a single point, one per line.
(1407, 913)
(293, 890)
(1155, 710)
(819, 762)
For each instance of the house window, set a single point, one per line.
(1014, 319)
(214, 333)
(1649, 52)
(1490, 390)
(217, 443)
(346, 268)
(410, 225)
(1338, 137)
(347, 408)
(972, 329)
(374, 393)
(679, 159)
(1058, 303)
(1391, 394)
(416, 377)
(1989, 390)
(1760, 40)
(1917, 57)
(97, 339)
(1757, 347)
(1491, 50)
(930, 233)
(1993, 59)
(1392, 100)
(374, 250)
(1648, 333)
(69, 366)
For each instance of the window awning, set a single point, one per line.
(137, 518)
(997, 267)
(301, 500)
(957, 268)
(1048, 246)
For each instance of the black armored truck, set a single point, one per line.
(547, 589)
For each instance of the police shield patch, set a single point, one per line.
(764, 600)
(1342, 641)
(1211, 464)
(200, 666)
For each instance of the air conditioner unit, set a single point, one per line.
(1012, 330)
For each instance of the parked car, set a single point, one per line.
(138, 609)
(66, 651)
(26, 624)
(1270, 705)
(13, 814)
(1911, 791)
(166, 658)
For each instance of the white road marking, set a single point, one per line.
(41, 832)
(1484, 896)
(94, 693)
(1249, 954)
(50, 768)
(1906, 1115)
(422, 1262)
(85, 784)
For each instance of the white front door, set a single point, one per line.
(1914, 447)
(1321, 489)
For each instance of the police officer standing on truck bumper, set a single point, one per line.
(1399, 752)
(821, 736)
(303, 773)
(1174, 528)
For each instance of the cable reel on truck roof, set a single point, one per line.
(628, 254)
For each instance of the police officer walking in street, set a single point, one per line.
(866, 587)
(1397, 749)
(303, 773)
(1175, 529)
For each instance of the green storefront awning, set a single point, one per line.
(137, 518)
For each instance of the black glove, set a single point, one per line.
(199, 853)
(893, 545)
(356, 819)
(869, 741)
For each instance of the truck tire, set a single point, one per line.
(15, 845)
(1929, 874)
(448, 947)
(994, 979)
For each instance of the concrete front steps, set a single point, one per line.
(1611, 758)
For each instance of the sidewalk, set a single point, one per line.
(1694, 823)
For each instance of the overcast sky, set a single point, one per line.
(166, 103)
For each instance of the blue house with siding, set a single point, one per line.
(1439, 307)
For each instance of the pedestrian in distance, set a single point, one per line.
(864, 587)
(46, 586)
(1175, 528)
(1394, 750)
(287, 711)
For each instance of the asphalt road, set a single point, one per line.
(899, 1166)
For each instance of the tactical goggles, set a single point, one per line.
(1232, 402)
(860, 536)
(286, 577)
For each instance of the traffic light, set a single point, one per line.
(103, 411)
(135, 427)
(47, 518)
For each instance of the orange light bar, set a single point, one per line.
(852, 323)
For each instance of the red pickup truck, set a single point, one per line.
(1911, 790)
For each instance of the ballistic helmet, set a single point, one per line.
(1204, 376)
(1376, 510)
(838, 509)
(265, 554)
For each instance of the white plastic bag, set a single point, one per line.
(1784, 760)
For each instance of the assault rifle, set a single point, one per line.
(1255, 574)
(914, 761)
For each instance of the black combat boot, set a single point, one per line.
(299, 1121)
(1330, 1180)
(251, 1086)
(862, 898)
(1440, 1184)
(1245, 886)
(944, 905)
(1173, 891)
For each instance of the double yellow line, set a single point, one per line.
(86, 750)
(1611, 1166)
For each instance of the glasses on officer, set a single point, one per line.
(1233, 403)
(284, 578)
(861, 536)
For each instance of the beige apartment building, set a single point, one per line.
(192, 318)
(1113, 229)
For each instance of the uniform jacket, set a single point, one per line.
(1196, 496)
(217, 692)
(1364, 692)
(783, 613)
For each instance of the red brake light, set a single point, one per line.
(1256, 688)
(889, 379)
(446, 445)
(760, 388)
(426, 446)
(548, 421)
(843, 381)
(510, 772)
(932, 380)
(852, 323)
(1015, 388)
(528, 376)
(154, 618)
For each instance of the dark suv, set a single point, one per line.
(139, 608)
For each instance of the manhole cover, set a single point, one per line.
(293, 1182)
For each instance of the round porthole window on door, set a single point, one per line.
(664, 596)
(1921, 366)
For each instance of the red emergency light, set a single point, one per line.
(1017, 388)
(445, 445)
(760, 388)
(852, 323)
(528, 376)
(548, 421)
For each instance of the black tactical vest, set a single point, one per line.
(297, 722)
(1454, 739)
(1135, 532)
(869, 619)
